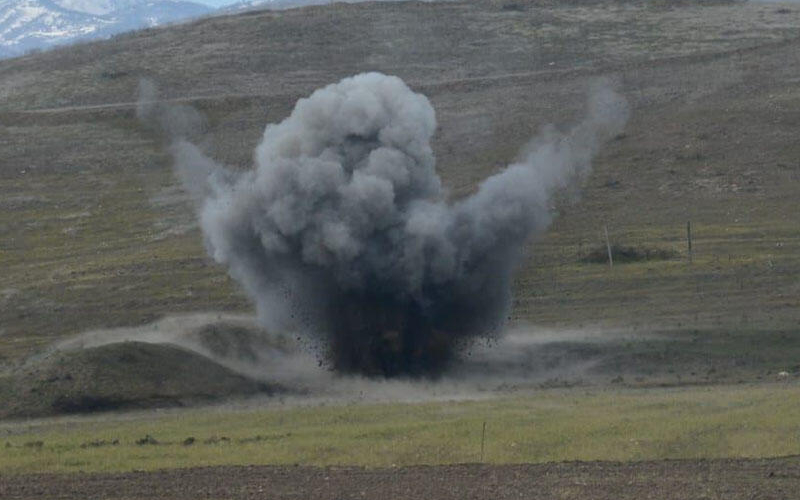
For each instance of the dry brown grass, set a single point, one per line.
(93, 232)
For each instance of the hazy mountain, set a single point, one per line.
(40, 24)
(97, 7)
(244, 5)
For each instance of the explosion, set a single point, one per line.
(342, 231)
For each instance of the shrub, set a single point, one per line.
(624, 254)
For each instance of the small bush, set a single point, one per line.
(623, 254)
(99, 443)
(216, 440)
(148, 439)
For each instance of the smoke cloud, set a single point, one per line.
(342, 231)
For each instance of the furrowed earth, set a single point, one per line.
(97, 236)
(731, 479)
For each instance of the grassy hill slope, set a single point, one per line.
(95, 232)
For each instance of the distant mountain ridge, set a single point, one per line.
(39, 24)
(27, 25)
(245, 5)
(97, 7)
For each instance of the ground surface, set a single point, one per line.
(95, 233)
(415, 424)
(772, 479)
(118, 376)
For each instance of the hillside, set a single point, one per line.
(94, 231)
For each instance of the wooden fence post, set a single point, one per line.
(608, 247)
(483, 439)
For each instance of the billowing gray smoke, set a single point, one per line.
(342, 230)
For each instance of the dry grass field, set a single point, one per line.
(96, 233)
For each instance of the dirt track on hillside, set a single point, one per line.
(681, 479)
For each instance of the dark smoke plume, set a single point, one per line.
(342, 230)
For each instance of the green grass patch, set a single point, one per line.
(551, 425)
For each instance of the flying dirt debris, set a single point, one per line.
(342, 230)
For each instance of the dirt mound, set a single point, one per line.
(232, 341)
(124, 375)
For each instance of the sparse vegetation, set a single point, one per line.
(95, 233)
(624, 254)
(147, 440)
(549, 426)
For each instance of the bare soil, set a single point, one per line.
(119, 376)
(680, 479)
